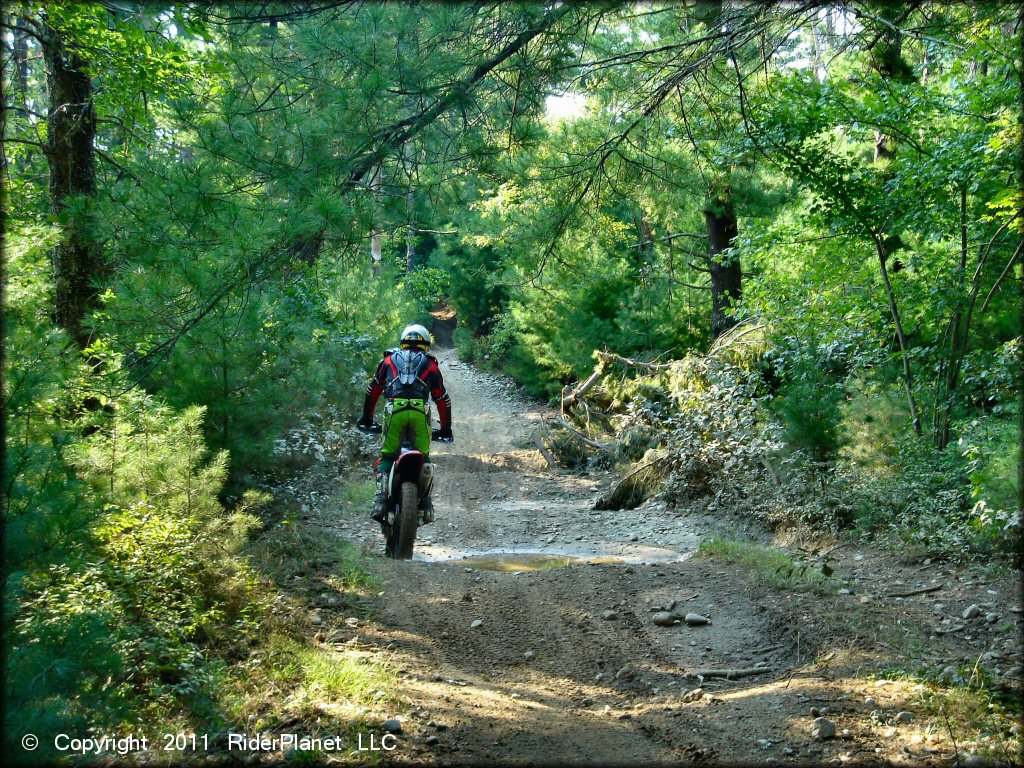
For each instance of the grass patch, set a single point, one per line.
(287, 679)
(977, 716)
(768, 564)
(288, 684)
(314, 691)
(359, 493)
(289, 550)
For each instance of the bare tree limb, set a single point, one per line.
(1002, 276)
(580, 436)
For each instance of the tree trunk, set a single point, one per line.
(20, 52)
(1020, 392)
(1020, 348)
(720, 220)
(77, 261)
(958, 331)
(3, 311)
(410, 231)
(726, 275)
(901, 336)
(376, 236)
(887, 60)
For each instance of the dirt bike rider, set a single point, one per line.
(406, 377)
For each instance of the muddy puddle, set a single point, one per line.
(516, 561)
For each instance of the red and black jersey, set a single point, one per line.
(408, 373)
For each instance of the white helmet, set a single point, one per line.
(416, 336)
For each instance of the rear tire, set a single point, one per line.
(407, 521)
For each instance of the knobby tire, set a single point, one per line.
(408, 521)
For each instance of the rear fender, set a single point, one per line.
(406, 470)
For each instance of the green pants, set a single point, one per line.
(404, 419)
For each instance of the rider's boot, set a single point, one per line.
(378, 511)
(426, 485)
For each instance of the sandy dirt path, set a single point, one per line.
(495, 496)
(566, 665)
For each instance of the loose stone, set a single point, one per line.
(823, 729)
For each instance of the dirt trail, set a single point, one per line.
(567, 665)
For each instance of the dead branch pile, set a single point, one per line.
(685, 428)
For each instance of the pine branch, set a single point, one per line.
(400, 132)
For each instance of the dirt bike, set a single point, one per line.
(406, 482)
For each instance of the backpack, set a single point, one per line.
(409, 365)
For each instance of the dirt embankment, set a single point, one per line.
(524, 629)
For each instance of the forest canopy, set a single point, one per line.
(216, 215)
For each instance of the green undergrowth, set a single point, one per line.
(358, 493)
(294, 679)
(289, 685)
(966, 706)
(769, 565)
(291, 550)
(704, 434)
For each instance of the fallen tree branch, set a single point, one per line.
(636, 470)
(730, 674)
(581, 437)
(608, 357)
(628, 493)
(543, 451)
(734, 334)
(604, 359)
(569, 400)
(922, 591)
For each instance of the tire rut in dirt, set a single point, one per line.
(556, 696)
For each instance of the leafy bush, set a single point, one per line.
(120, 564)
(989, 377)
(702, 434)
(427, 285)
(710, 432)
(809, 406)
(923, 505)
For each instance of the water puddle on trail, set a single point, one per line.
(515, 561)
(518, 561)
